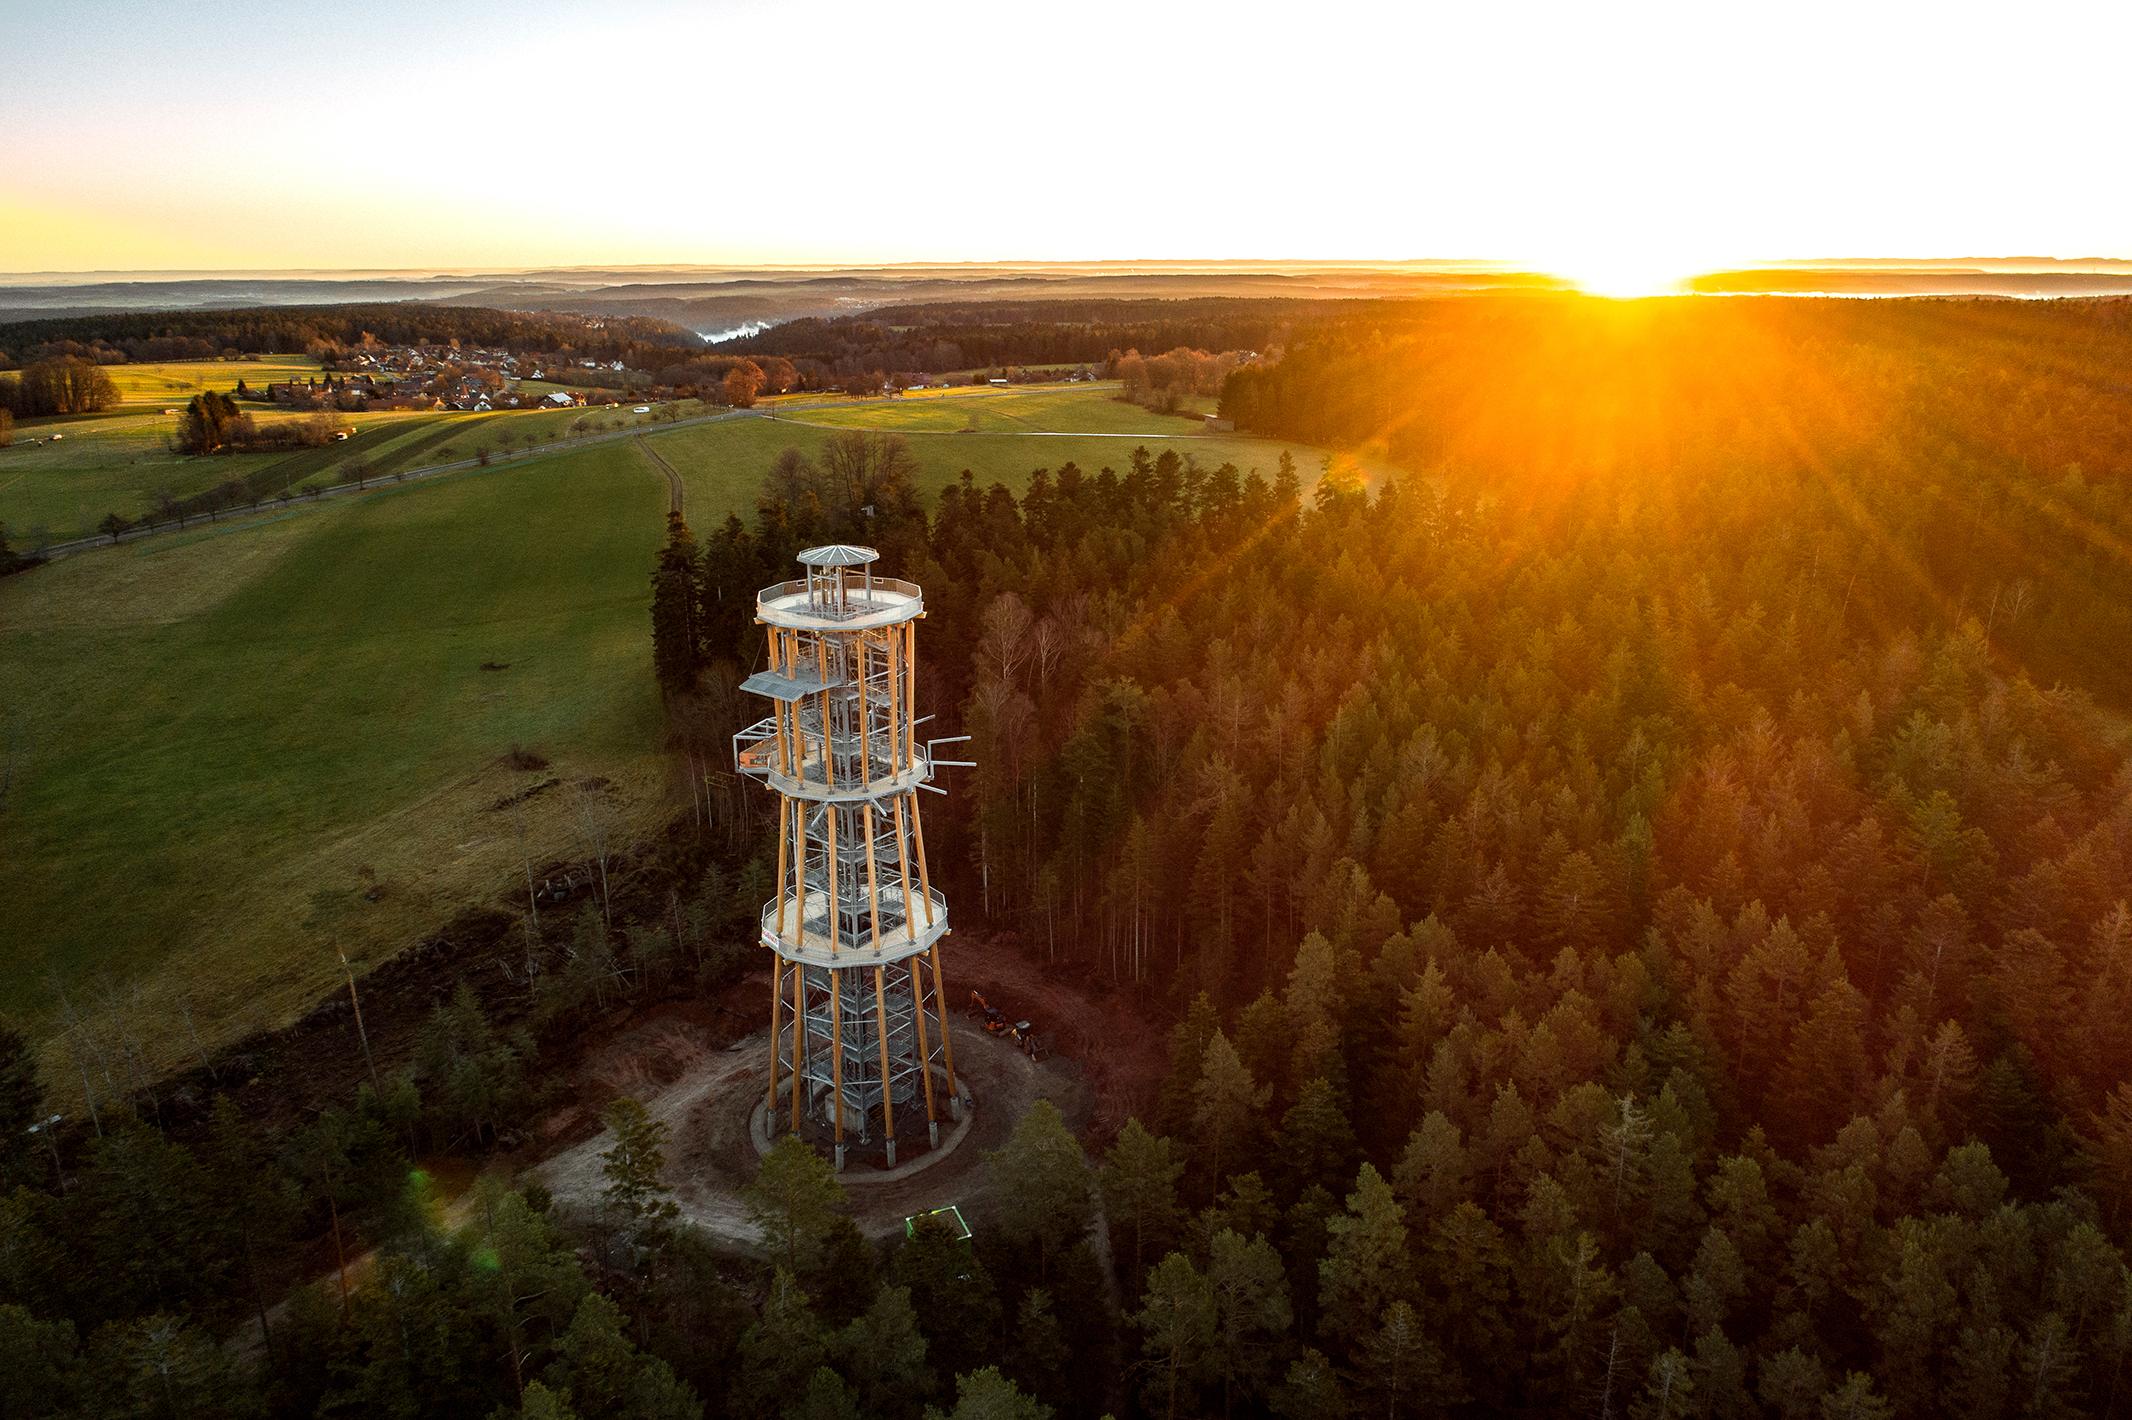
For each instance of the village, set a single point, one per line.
(474, 380)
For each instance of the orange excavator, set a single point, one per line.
(996, 1023)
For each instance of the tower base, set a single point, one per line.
(857, 1167)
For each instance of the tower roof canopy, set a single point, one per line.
(838, 554)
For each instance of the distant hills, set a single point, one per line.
(714, 300)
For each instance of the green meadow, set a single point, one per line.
(120, 461)
(227, 742)
(170, 384)
(999, 436)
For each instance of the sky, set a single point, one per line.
(1608, 139)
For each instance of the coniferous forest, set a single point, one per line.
(1638, 902)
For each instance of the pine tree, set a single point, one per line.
(633, 1167)
(988, 1395)
(883, 1355)
(1791, 1384)
(1251, 1315)
(1265, 1038)
(825, 1398)
(1226, 1108)
(1717, 1282)
(1578, 1292)
(40, 1364)
(159, 1365)
(1855, 1399)
(1468, 1262)
(1176, 1323)
(1720, 1374)
(1139, 1182)
(1365, 1268)
(779, 1352)
(538, 1403)
(1038, 1357)
(603, 1373)
(1311, 1390)
(1042, 1182)
(1316, 1143)
(1246, 1207)
(797, 1204)
(1670, 1393)
(1433, 1172)
(676, 618)
(2047, 1386)
(23, 1159)
(952, 1293)
(1188, 1045)
(529, 1285)
(1403, 1369)
(255, 1204)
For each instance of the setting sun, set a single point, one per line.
(1623, 276)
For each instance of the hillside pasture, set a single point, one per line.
(122, 462)
(240, 747)
(1016, 433)
(172, 383)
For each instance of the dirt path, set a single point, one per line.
(673, 478)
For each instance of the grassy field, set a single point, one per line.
(1012, 434)
(222, 740)
(170, 385)
(1080, 409)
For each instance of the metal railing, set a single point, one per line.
(857, 604)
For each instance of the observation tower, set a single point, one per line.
(858, 1019)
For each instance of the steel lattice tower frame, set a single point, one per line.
(855, 927)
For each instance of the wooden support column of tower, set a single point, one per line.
(799, 872)
(947, 1042)
(925, 1056)
(896, 761)
(903, 873)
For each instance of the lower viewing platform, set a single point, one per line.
(806, 934)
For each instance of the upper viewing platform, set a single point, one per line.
(840, 592)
